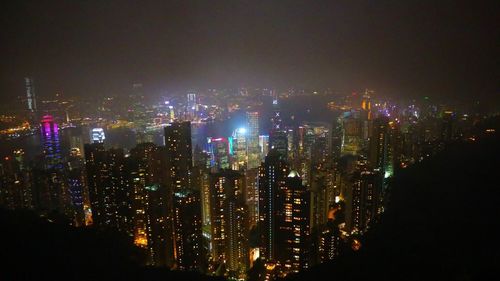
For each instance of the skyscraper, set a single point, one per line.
(272, 175)
(187, 232)
(381, 147)
(252, 195)
(229, 221)
(352, 134)
(97, 135)
(253, 140)
(293, 230)
(51, 143)
(278, 140)
(364, 200)
(76, 184)
(151, 220)
(30, 94)
(109, 189)
(329, 242)
(240, 148)
(15, 189)
(264, 145)
(55, 194)
(191, 106)
(366, 104)
(219, 153)
(276, 120)
(179, 155)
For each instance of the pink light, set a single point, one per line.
(46, 127)
(219, 139)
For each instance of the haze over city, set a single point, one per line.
(412, 48)
(249, 140)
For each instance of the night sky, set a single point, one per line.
(399, 48)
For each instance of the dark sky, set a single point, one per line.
(401, 48)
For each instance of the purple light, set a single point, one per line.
(46, 127)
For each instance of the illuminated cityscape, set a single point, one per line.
(234, 174)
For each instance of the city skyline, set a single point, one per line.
(248, 141)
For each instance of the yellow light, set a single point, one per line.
(270, 266)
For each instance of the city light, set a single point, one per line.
(248, 141)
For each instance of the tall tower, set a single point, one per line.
(229, 220)
(253, 140)
(278, 140)
(240, 148)
(380, 153)
(179, 154)
(51, 143)
(272, 175)
(109, 191)
(30, 94)
(276, 119)
(97, 135)
(191, 105)
(76, 184)
(219, 153)
(352, 134)
(15, 190)
(365, 200)
(187, 232)
(149, 202)
(366, 104)
(293, 215)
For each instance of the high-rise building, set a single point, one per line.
(51, 143)
(366, 104)
(187, 231)
(240, 148)
(179, 154)
(252, 195)
(253, 140)
(355, 133)
(264, 145)
(219, 150)
(278, 140)
(352, 134)
(322, 195)
(15, 189)
(364, 200)
(293, 225)
(55, 195)
(109, 190)
(276, 119)
(229, 221)
(336, 139)
(329, 242)
(151, 220)
(381, 149)
(191, 105)
(77, 187)
(30, 94)
(76, 140)
(97, 135)
(187, 228)
(448, 126)
(272, 176)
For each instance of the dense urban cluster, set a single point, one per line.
(271, 196)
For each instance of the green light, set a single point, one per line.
(153, 187)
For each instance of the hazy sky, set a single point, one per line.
(436, 48)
